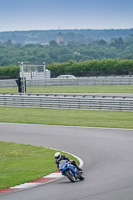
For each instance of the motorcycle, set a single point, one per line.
(70, 171)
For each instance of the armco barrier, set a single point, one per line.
(110, 80)
(60, 101)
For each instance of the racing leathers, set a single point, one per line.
(63, 157)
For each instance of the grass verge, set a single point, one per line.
(110, 119)
(21, 163)
(72, 89)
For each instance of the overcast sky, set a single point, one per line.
(65, 14)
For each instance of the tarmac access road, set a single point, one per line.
(107, 156)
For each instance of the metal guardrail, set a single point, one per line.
(90, 81)
(81, 102)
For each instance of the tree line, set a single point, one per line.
(103, 67)
(116, 48)
(76, 35)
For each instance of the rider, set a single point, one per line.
(60, 157)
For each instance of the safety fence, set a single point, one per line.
(60, 101)
(90, 81)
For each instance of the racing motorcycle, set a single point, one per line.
(70, 171)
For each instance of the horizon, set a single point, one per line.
(67, 30)
(33, 15)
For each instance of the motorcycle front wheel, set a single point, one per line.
(70, 175)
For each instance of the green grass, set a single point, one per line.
(72, 89)
(112, 119)
(21, 163)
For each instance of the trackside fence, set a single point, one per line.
(110, 80)
(81, 102)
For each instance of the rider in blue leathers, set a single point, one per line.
(60, 157)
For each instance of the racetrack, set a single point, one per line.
(107, 156)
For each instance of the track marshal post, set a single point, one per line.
(22, 78)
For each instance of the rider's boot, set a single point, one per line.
(79, 168)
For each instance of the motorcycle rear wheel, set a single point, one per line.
(81, 176)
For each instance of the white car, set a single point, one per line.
(66, 76)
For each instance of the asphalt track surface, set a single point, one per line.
(107, 156)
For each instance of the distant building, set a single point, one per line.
(59, 38)
(44, 43)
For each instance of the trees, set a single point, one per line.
(80, 35)
(103, 67)
(117, 48)
(9, 71)
(94, 67)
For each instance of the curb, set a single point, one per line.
(46, 179)
(49, 178)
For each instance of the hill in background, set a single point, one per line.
(58, 46)
(81, 36)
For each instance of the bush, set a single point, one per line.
(11, 71)
(94, 67)
(103, 67)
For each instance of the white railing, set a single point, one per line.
(64, 101)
